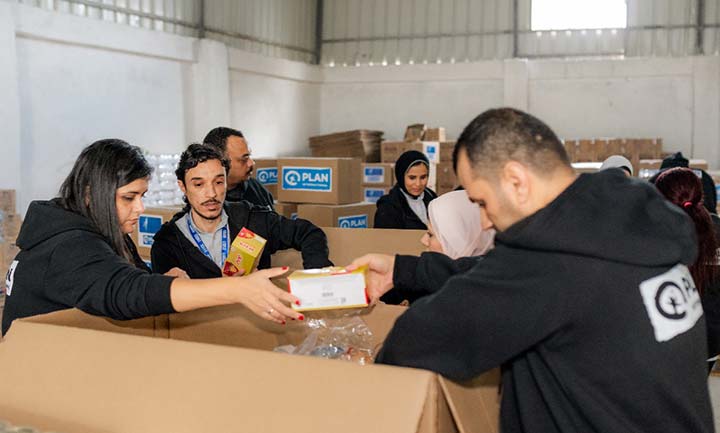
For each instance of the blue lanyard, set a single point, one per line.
(201, 244)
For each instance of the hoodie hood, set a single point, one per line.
(608, 216)
(45, 219)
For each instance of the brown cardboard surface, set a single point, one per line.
(343, 186)
(167, 385)
(142, 238)
(435, 134)
(10, 225)
(339, 215)
(288, 210)
(390, 151)
(209, 375)
(346, 245)
(446, 175)
(378, 174)
(8, 201)
(446, 151)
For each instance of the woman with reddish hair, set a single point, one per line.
(683, 188)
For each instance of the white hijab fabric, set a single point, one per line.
(458, 225)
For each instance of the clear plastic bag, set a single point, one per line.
(336, 335)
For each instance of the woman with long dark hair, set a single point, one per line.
(75, 252)
(684, 188)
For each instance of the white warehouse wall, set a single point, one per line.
(677, 99)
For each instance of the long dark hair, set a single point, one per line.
(684, 188)
(89, 189)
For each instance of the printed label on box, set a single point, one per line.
(372, 195)
(353, 222)
(317, 179)
(374, 175)
(267, 176)
(148, 225)
(430, 149)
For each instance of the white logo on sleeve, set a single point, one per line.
(672, 302)
(10, 277)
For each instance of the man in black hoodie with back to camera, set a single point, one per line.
(586, 300)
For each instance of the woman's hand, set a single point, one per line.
(380, 273)
(265, 299)
(176, 272)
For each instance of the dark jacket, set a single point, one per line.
(393, 211)
(583, 304)
(64, 262)
(172, 249)
(251, 190)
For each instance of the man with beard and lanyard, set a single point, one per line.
(586, 300)
(240, 185)
(197, 239)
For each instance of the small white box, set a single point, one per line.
(329, 288)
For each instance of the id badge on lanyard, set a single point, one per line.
(201, 244)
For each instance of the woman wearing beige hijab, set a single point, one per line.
(455, 227)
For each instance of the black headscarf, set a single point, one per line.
(406, 161)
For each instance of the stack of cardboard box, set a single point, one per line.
(377, 179)
(598, 149)
(439, 153)
(327, 191)
(148, 224)
(360, 143)
(10, 223)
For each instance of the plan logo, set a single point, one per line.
(148, 225)
(374, 175)
(10, 278)
(267, 176)
(353, 222)
(307, 179)
(372, 195)
(672, 302)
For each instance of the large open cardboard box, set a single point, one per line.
(213, 370)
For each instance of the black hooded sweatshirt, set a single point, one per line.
(251, 190)
(394, 212)
(64, 262)
(582, 304)
(171, 248)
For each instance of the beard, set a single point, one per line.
(205, 216)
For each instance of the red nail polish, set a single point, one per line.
(285, 268)
(301, 317)
(297, 302)
(283, 322)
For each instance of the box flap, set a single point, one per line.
(89, 380)
(475, 405)
(147, 326)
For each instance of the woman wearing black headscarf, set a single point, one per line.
(405, 206)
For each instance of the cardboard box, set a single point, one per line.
(213, 368)
(446, 176)
(356, 215)
(435, 134)
(390, 151)
(329, 288)
(346, 245)
(371, 194)
(378, 174)
(148, 224)
(245, 253)
(320, 180)
(266, 172)
(360, 143)
(8, 202)
(10, 224)
(288, 210)
(447, 148)
(415, 132)
(435, 151)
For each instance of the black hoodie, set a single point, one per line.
(64, 262)
(394, 212)
(172, 249)
(583, 306)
